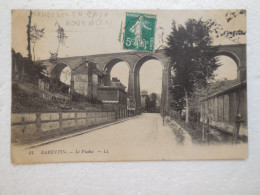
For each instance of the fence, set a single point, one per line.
(223, 107)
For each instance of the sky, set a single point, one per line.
(97, 31)
(150, 75)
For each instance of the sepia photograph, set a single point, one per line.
(128, 85)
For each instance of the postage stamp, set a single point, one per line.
(139, 31)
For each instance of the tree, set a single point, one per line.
(36, 34)
(192, 57)
(61, 37)
(33, 70)
(178, 103)
(153, 98)
(29, 35)
(33, 35)
(147, 104)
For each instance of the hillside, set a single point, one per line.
(27, 97)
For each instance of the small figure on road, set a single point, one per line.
(163, 114)
(207, 130)
(237, 127)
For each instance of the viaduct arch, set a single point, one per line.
(56, 70)
(136, 59)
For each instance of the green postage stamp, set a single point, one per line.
(139, 31)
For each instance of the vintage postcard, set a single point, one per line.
(128, 85)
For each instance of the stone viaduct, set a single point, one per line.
(135, 60)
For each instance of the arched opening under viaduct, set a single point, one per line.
(232, 66)
(61, 78)
(227, 70)
(117, 68)
(148, 84)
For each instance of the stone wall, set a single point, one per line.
(81, 83)
(114, 98)
(107, 93)
(33, 124)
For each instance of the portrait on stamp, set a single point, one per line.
(139, 31)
